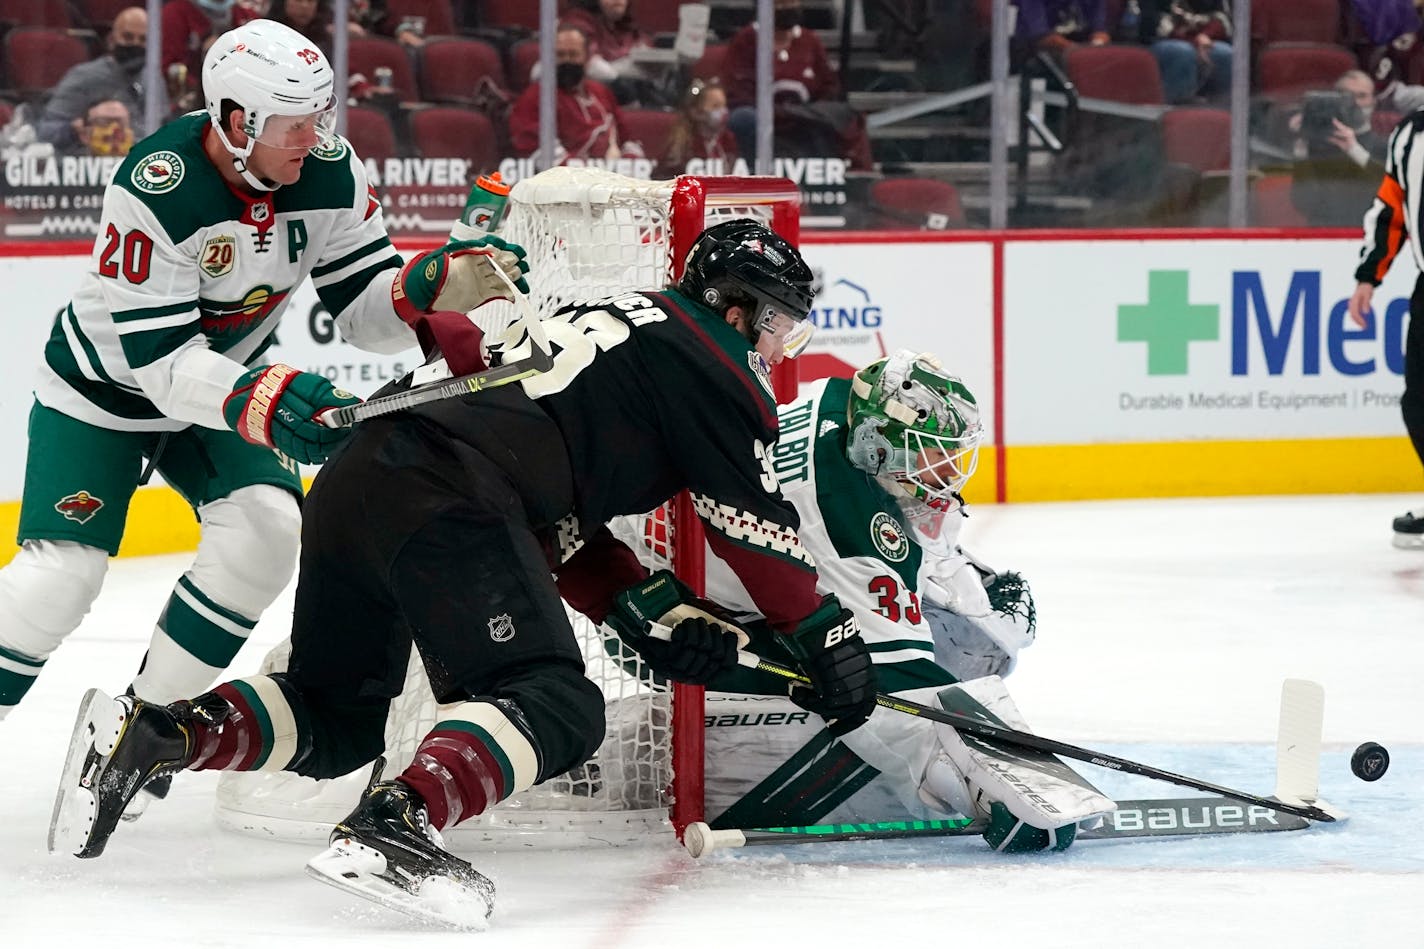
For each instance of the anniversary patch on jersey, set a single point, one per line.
(218, 255)
(889, 537)
(333, 152)
(80, 506)
(757, 363)
(158, 173)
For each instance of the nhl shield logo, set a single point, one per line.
(501, 628)
(80, 506)
(889, 537)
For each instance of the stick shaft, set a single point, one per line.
(436, 391)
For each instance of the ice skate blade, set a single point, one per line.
(355, 868)
(75, 804)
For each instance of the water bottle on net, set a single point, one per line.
(484, 209)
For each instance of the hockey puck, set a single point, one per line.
(1370, 761)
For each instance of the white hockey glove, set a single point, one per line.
(1032, 800)
(459, 276)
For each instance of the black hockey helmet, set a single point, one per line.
(741, 261)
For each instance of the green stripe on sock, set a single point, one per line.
(22, 659)
(231, 615)
(13, 686)
(197, 635)
(264, 720)
(506, 769)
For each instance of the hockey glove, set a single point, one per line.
(833, 656)
(1009, 834)
(278, 407)
(459, 276)
(700, 649)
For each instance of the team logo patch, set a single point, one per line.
(80, 506)
(333, 152)
(158, 173)
(218, 255)
(501, 628)
(889, 537)
(756, 362)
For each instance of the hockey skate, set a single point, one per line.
(1409, 530)
(387, 852)
(155, 790)
(119, 745)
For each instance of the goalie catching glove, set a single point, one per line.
(832, 654)
(279, 407)
(702, 646)
(460, 276)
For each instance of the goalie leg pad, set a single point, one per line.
(971, 774)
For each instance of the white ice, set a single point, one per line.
(1165, 630)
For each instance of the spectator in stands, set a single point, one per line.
(371, 18)
(809, 120)
(311, 18)
(1056, 25)
(1191, 42)
(189, 28)
(700, 132)
(118, 74)
(1341, 156)
(612, 37)
(105, 129)
(588, 122)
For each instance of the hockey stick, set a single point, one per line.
(1151, 817)
(540, 359)
(1010, 736)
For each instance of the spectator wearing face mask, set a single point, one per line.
(105, 129)
(700, 132)
(116, 75)
(1341, 159)
(588, 122)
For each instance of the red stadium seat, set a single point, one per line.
(439, 17)
(99, 14)
(1286, 70)
(451, 68)
(522, 57)
(1121, 73)
(1382, 121)
(654, 17)
(710, 65)
(449, 132)
(1271, 204)
(650, 127)
(50, 13)
(1295, 21)
(37, 57)
(1197, 138)
(366, 54)
(501, 14)
(915, 203)
(369, 131)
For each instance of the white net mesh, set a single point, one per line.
(588, 233)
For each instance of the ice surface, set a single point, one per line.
(1165, 630)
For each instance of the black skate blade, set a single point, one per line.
(74, 805)
(355, 868)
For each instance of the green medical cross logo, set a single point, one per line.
(1167, 322)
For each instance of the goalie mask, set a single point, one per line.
(743, 263)
(913, 426)
(283, 84)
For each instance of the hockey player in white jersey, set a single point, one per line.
(874, 466)
(157, 361)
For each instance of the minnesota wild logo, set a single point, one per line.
(889, 537)
(80, 506)
(333, 152)
(236, 318)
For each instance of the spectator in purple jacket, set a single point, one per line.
(1057, 25)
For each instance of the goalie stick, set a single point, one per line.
(1149, 817)
(1307, 703)
(540, 359)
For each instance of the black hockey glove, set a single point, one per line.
(700, 649)
(833, 656)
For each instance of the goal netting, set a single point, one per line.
(588, 233)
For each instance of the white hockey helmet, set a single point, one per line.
(269, 69)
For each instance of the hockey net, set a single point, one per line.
(588, 234)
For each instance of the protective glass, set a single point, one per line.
(312, 130)
(793, 333)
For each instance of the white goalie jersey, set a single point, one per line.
(189, 278)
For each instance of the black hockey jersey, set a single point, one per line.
(654, 393)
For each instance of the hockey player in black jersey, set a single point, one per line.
(440, 526)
